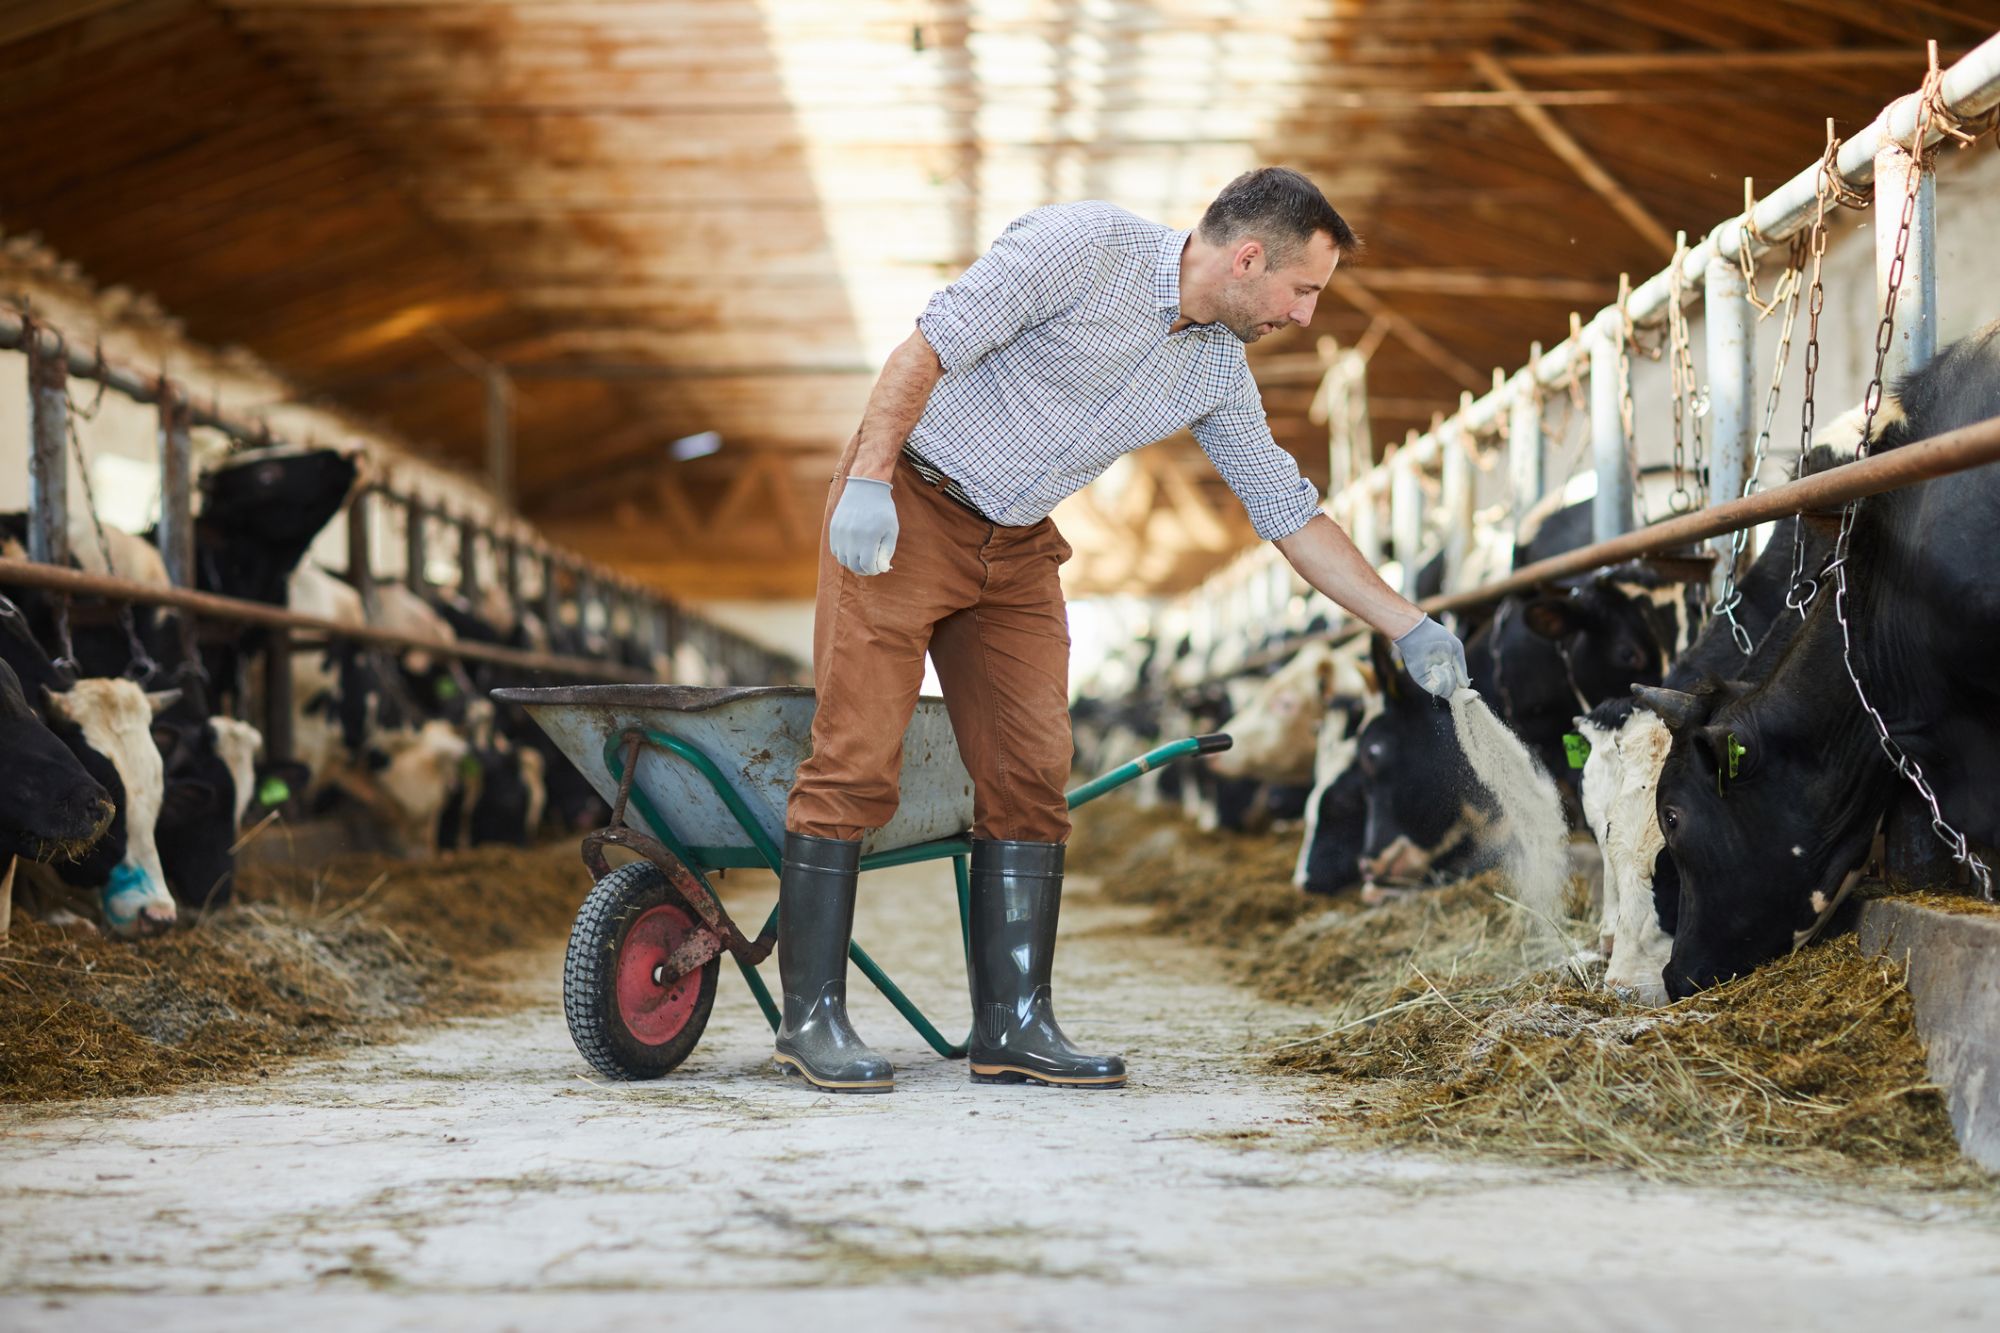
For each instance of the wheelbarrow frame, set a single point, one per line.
(686, 866)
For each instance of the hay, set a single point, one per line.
(1444, 1025)
(306, 961)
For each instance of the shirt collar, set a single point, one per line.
(1167, 273)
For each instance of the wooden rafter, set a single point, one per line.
(1407, 332)
(1565, 146)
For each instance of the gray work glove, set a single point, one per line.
(1434, 658)
(863, 531)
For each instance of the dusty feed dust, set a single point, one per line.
(304, 961)
(1537, 862)
(1441, 1030)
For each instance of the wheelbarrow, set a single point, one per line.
(697, 780)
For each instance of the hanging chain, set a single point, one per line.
(1628, 343)
(1871, 402)
(1690, 395)
(140, 665)
(1788, 292)
(1828, 187)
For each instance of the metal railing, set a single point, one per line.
(1711, 272)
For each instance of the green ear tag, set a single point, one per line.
(468, 767)
(447, 689)
(273, 791)
(1736, 753)
(1576, 747)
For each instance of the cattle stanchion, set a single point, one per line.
(278, 695)
(1406, 515)
(468, 559)
(1611, 511)
(1899, 175)
(360, 549)
(48, 464)
(415, 545)
(1524, 440)
(1732, 434)
(176, 537)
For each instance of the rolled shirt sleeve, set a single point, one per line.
(1037, 269)
(1263, 476)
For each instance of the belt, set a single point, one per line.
(946, 487)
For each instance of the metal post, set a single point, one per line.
(1457, 504)
(48, 457)
(468, 559)
(1524, 445)
(278, 694)
(361, 548)
(1732, 384)
(1406, 516)
(176, 534)
(415, 520)
(1367, 526)
(510, 571)
(1915, 339)
(500, 434)
(1611, 512)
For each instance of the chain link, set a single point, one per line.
(1628, 343)
(1690, 395)
(1871, 402)
(1827, 188)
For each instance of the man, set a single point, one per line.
(1084, 333)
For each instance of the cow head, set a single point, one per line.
(210, 766)
(50, 806)
(1763, 808)
(114, 719)
(1427, 815)
(1609, 633)
(280, 495)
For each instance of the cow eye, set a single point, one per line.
(1670, 819)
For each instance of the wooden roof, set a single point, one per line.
(671, 216)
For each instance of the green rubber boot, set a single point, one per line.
(815, 923)
(1016, 894)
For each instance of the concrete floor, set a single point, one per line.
(475, 1177)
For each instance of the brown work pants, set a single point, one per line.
(985, 601)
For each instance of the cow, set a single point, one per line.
(1773, 791)
(261, 509)
(211, 774)
(50, 805)
(1626, 747)
(107, 724)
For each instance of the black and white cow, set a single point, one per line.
(1773, 791)
(50, 806)
(210, 766)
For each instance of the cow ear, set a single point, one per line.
(1553, 618)
(1677, 708)
(1730, 691)
(162, 700)
(1727, 749)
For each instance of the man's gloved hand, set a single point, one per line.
(1434, 657)
(863, 531)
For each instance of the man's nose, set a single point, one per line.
(1302, 313)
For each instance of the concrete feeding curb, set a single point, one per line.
(1956, 990)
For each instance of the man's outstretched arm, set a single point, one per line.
(1327, 558)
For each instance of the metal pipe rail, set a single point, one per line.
(1971, 88)
(1924, 460)
(62, 579)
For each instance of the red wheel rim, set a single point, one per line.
(653, 1013)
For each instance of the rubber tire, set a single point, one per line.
(590, 978)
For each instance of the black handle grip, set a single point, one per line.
(1214, 743)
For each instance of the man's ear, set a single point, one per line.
(1247, 256)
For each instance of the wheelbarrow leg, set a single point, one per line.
(756, 983)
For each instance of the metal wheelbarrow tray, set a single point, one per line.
(697, 780)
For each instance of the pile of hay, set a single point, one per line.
(1447, 1026)
(305, 961)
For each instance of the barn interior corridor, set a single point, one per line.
(473, 1172)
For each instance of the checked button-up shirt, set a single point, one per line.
(1058, 359)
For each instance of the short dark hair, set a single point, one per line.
(1279, 207)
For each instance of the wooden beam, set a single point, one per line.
(1703, 62)
(1579, 158)
(1425, 346)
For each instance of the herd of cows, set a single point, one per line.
(122, 800)
(1734, 797)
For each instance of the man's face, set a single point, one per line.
(1261, 298)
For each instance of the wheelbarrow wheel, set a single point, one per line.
(623, 1020)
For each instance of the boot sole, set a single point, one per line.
(787, 1065)
(1016, 1074)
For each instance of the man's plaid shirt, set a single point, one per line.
(1057, 360)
